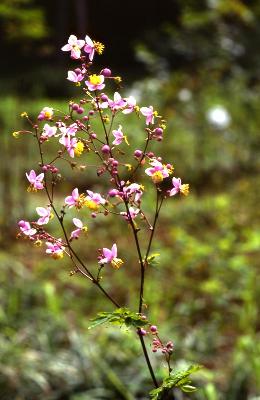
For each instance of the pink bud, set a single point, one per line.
(75, 107)
(80, 110)
(104, 97)
(158, 131)
(138, 153)
(40, 117)
(153, 329)
(106, 72)
(113, 192)
(105, 149)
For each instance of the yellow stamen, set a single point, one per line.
(16, 134)
(79, 149)
(117, 263)
(24, 114)
(38, 243)
(184, 189)
(157, 177)
(99, 47)
(58, 256)
(48, 114)
(91, 205)
(129, 167)
(118, 79)
(170, 170)
(80, 201)
(95, 79)
(125, 139)
(106, 119)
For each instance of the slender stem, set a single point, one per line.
(148, 361)
(143, 265)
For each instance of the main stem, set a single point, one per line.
(134, 230)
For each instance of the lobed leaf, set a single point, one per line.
(179, 379)
(120, 316)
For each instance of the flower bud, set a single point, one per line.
(138, 153)
(153, 329)
(80, 110)
(75, 106)
(104, 97)
(113, 192)
(106, 72)
(158, 131)
(105, 149)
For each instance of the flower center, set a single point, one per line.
(184, 189)
(95, 79)
(157, 177)
(117, 263)
(91, 205)
(79, 149)
(99, 47)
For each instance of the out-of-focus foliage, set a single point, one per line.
(22, 20)
(204, 292)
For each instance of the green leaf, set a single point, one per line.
(179, 379)
(153, 259)
(120, 316)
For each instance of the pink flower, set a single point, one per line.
(69, 143)
(158, 171)
(117, 103)
(95, 82)
(178, 187)
(148, 113)
(80, 228)
(119, 136)
(89, 47)
(46, 114)
(132, 211)
(26, 229)
(35, 180)
(110, 256)
(48, 131)
(78, 223)
(74, 45)
(131, 103)
(44, 214)
(76, 199)
(70, 130)
(135, 189)
(55, 249)
(93, 200)
(73, 199)
(75, 77)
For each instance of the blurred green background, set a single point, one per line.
(197, 61)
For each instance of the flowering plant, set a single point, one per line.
(123, 199)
